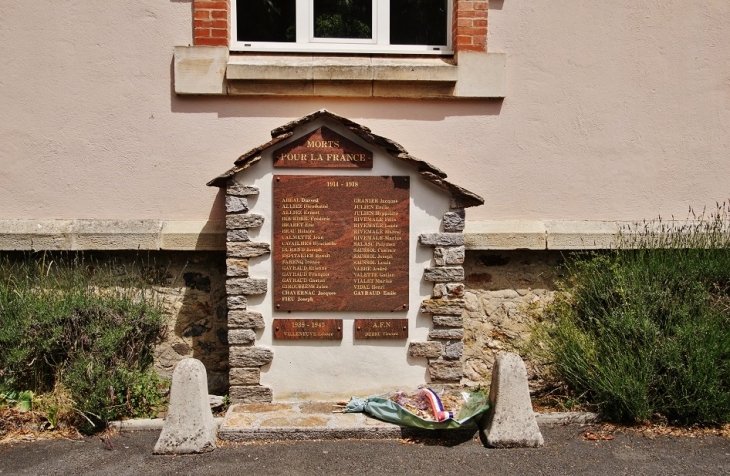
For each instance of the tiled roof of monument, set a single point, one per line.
(427, 171)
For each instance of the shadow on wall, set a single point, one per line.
(195, 298)
(217, 212)
(503, 291)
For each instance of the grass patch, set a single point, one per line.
(643, 330)
(79, 335)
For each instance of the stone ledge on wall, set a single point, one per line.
(87, 234)
(542, 235)
(37, 235)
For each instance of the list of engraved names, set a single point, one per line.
(341, 243)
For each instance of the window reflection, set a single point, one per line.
(343, 18)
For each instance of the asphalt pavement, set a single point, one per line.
(565, 452)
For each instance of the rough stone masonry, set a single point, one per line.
(245, 359)
(445, 346)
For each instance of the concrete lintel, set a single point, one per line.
(581, 235)
(541, 235)
(505, 235)
(29, 235)
(88, 234)
(115, 234)
(193, 235)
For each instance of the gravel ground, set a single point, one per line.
(566, 451)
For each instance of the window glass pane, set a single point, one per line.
(418, 22)
(266, 20)
(343, 18)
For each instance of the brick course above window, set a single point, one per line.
(469, 26)
(212, 24)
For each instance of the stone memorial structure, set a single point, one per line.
(344, 263)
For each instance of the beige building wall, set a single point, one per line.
(614, 111)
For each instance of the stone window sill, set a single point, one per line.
(213, 71)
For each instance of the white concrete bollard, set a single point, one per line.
(189, 426)
(511, 422)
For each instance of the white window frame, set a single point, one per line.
(307, 43)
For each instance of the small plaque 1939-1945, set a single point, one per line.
(296, 329)
(381, 328)
(323, 149)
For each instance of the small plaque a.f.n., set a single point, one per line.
(323, 149)
(381, 328)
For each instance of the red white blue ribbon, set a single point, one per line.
(438, 408)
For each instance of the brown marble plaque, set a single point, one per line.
(381, 328)
(341, 243)
(323, 149)
(296, 329)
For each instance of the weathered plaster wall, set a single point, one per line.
(614, 110)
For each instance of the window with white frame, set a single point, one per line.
(342, 26)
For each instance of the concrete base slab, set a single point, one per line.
(315, 421)
(146, 424)
(555, 418)
(567, 418)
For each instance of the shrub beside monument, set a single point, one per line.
(80, 336)
(643, 330)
